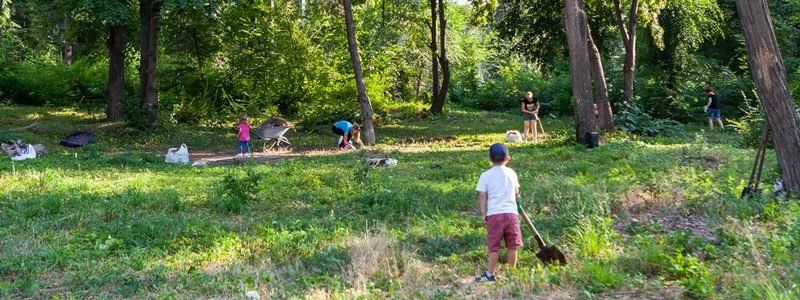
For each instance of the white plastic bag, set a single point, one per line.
(390, 162)
(178, 156)
(513, 136)
(31, 152)
(28, 153)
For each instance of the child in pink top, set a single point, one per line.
(244, 135)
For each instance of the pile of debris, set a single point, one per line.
(19, 150)
(275, 122)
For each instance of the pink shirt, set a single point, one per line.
(244, 132)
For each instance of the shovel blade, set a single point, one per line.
(551, 254)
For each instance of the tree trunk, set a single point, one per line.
(116, 72)
(629, 42)
(769, 75)
(605, 115)
(368, 129)
(418, 83)
(434, 54)
(437, 105)
(69, 45)
(68, 49)
(148, 63)
(575, 27)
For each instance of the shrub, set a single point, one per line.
(42, 83)
(633, 120)
(647, 256)
(693, 274)
(594, 238)
(599, 277)
(235, 191)
(510, 82)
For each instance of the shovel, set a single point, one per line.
(547, 254)
(542, 127)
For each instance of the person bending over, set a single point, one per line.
(347, 132)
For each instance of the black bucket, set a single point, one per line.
(592, 139)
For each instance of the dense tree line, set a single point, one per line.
(203, 61)
(289, 57)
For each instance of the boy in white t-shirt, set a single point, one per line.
(498, 190)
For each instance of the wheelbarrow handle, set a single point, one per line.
(536, 234)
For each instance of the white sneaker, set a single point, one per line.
(238, 156)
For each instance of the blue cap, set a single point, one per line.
(498, 151)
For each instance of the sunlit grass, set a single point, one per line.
(112, 220)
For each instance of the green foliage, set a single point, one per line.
(633, 120)
(670, 257)
(113, 219)
(772, 290)
(600, 277)
(751, 125)
(235, 191)
(32, 83)
(693, 275)
(595, 238)
(507, 83)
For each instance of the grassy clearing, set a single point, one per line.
(638, 217)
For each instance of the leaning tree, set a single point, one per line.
(769, 74)
(575, 25)
(363, 99)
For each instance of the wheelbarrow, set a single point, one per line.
(273, 135)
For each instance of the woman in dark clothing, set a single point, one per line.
(530, 115)
(713, 108)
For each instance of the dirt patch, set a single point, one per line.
(427, 140)
(643, 207)
(707, 163)
(663, 294)
(229, 158)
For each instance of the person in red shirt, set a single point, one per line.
(244, 136)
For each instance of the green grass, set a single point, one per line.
(111, 220)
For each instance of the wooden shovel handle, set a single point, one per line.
(538, 237)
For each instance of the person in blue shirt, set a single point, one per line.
(347, 132)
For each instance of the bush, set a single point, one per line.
(633, 120)
(235, 191)
(683, 99)
(509, 84)
(751, 125)
(600, 277)
(37, 83)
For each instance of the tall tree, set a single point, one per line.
(575, 25)
(769, 75)
(69, 42)
(440, 60)
(116, 71)
(113, 16)
(368, 129)
(604, 114)
(148, 91)
(628, 32)
(434, 51)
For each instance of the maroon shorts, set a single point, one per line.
(503, 227)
